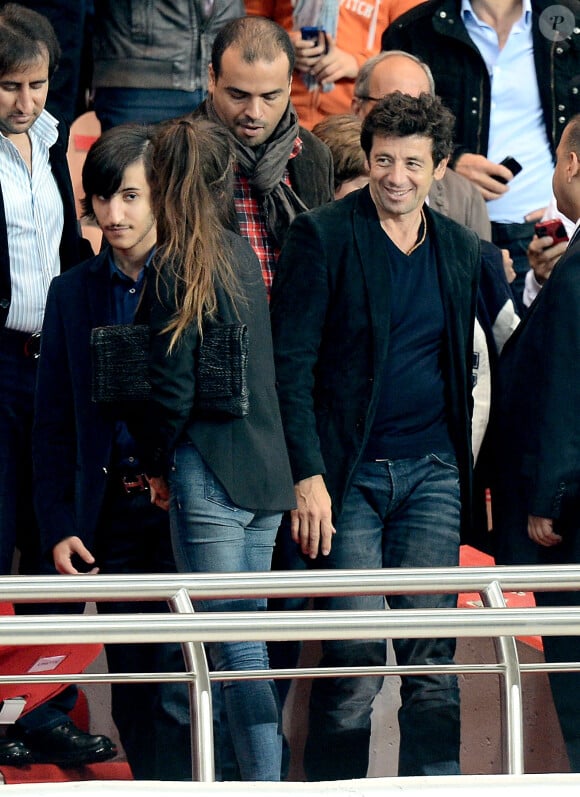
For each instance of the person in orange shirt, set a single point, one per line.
(327, 68)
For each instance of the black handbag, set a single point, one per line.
(222, 365)
(120, 367)
(120, 356)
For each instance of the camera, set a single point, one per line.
(552, 227)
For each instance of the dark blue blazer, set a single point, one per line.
(72, 436)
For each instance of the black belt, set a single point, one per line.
(511, 231)
(22, 342)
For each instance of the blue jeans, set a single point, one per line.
(117, 105)
(402, 513)
(211, 534)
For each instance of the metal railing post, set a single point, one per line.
(201, 715)
(507, 655)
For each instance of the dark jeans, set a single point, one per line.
(402, 513)
(116, 106)
(18, 525)
(152, 719)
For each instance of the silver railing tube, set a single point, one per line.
(507, 654)
(202, 757)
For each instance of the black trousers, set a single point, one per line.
(152, 719)
(565, 686)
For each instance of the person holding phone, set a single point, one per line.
(331, 42)
(512, 82)
(549, 243)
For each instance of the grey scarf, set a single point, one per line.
(264, 168)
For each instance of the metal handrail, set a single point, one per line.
(307, 583)
(191, 630)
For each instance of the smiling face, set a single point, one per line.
(126, 218)
(23, 97)
(401, 174)
(250, 98)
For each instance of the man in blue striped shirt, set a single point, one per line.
(39, 237)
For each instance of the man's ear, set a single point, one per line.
(356, 106)
(573, 166)
(440, 169)
(210, 78)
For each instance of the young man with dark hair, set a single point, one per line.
(281, 169)
(39, 238)
(373, 308)
(93, 501)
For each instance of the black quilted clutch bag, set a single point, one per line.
(120, 363)
(222, 384)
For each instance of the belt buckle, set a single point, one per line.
(32, 346)
(135, 484)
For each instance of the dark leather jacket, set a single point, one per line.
(156, 44)
(435, 33)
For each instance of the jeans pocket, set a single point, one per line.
(446, 459)
(216, 493)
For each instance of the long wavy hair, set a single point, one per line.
(190, 171)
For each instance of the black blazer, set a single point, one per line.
(312, 171)
(72, 436)
(330, 307)
(248, 455)
(536, 417)
(73, 248)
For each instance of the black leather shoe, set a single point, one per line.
(68, 746)
(14, 753)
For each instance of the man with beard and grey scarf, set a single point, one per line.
(281, 169)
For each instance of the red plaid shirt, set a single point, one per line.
(251, 223)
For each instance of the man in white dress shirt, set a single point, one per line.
(39, 237)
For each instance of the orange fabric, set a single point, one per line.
(354, 30)
(471, 557)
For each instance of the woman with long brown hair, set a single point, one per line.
(216, 456)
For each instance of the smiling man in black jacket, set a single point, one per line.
(372, 309)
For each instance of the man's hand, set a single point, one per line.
(63, 552)
(159, 491)
(311, 522)
(543, 256)
(307, 52)
(325, 67)
(335, 65)
(508, 265)
(483, 173)
(541, 530)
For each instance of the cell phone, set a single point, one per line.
(511, 164)
(553, 227)
(314, 33)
